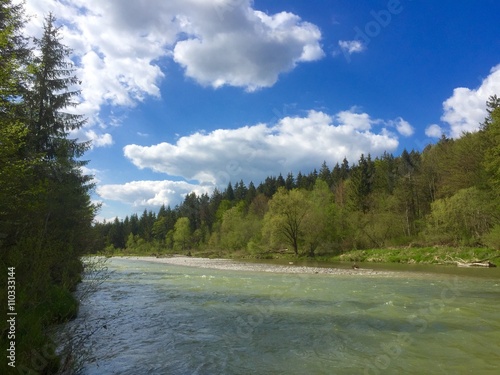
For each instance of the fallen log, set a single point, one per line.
(476, 264)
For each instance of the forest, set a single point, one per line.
(46, 212)
(445, 195)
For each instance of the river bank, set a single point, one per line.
(232, 265)
(435, 255)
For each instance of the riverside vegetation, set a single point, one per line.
(45, 208)
(439, 205)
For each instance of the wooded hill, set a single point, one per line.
(448, 194)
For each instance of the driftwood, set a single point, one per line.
(476, 264)
(479, 263)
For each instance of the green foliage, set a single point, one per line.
(463, 218)
(182, 234)
(284, 222)
(45, 208)
(491, 161)
(492, 238)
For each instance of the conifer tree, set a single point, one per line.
(65, 212)
(15, 166)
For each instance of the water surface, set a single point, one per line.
(166, 319)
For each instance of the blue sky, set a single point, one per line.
(187, 95)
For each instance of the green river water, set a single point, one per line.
(166, 319)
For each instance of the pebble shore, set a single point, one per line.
(227, 264)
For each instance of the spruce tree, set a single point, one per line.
(16, 166)
(65, 212)
(51, 94)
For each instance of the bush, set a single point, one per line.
(492, 239)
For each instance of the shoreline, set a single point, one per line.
(232, 265)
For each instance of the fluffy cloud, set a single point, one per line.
(246, 48)
(254, 152)
(403, 127)
(466, 109)
(434, 131)
(142, 194)
(351, 46)
(98, 140)
(118, 45)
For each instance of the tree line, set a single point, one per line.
(447, 194)
(46, 212)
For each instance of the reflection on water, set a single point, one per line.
(164, 319)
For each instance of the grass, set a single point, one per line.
(421, 255)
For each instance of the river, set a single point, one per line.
(153, 318)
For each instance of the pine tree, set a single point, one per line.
(325, 174)
(362, 183)
(49, 98)
(65, 212)
(16, 167)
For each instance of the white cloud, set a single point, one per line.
(351, 46)
(141, 194)
(255, 152)
(98, 140)
(119, 45)
(434, 131)
(245, 48)
(466, 109)
(352, 119)
(403, 127)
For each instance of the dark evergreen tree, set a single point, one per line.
(345, 169)
(251, 193)
(17, 190)
(66, 210)
(362, 183)
(134, 224)
(240, 191)
(51, 96)
(190, 208)
(301, 181)
(290, 181)
(45, 208)
(280, 182)
(229, 193)
(325, 174)
(268, 187)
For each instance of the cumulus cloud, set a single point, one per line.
(434, 131)
(248, 48)
(465, 110)
(255, 152)
(141, 194)
(351, 46)
(119, 45)
(98, 140)
(403, 127)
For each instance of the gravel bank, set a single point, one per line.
(227, 264)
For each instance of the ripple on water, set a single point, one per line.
(180, 320)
